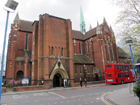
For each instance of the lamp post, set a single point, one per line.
(10, 6)
(130, 41)
(85, 71)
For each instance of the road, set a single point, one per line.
(79, 96)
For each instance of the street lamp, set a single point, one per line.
(129, 41)
(85, 71)
(10, 6)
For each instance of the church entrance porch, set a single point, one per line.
(57, 80)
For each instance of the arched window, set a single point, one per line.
(80, 70)
(80, 47)
(26, 41)
(88, 46)
(59, 63)
(61, 51)
(51, 50)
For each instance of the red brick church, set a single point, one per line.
(48, 51)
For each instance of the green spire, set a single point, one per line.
(82, 22)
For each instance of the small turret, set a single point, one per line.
(90, 27)
(112, 33)
(98, 29)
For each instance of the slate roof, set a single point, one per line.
(25, 25)
(82, 59)
(122, 53)
(78, 35)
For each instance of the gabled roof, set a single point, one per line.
(77, 35)
(25, 25)
(122, 53)
(82, 59)
(90, 33)
(80, 36)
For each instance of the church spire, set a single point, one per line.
(16, 18)
(82, 22)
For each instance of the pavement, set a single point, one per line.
(123, 96)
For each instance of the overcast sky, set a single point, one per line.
(93, 11)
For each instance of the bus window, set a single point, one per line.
(109, 75)
(130, 66)
(108, 66)
(126, 75)
(120, 75)
(127, 66)
(116, 66)
(120, 66)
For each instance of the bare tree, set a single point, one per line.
(129, 21)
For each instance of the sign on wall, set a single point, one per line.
(25, 81)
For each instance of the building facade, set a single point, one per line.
(48, 51)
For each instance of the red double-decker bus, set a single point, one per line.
(118, 73)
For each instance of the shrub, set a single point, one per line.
(136, 89)
(7, 85)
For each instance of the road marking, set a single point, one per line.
(96, 93)
(36, 101)
(97, 98)
(81, 95)
(40, 94)
(102, 98)
(20, 96)
(13, 103)
(74, 96)
(57, 94)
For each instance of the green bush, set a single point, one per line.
(136, 89)
(7, 85)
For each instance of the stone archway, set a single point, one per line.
(96, 77)
(57, 76)
(57, 80)
(19, 74)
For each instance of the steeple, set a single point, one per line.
(82, 22)
(105, 22)
(16, 18)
